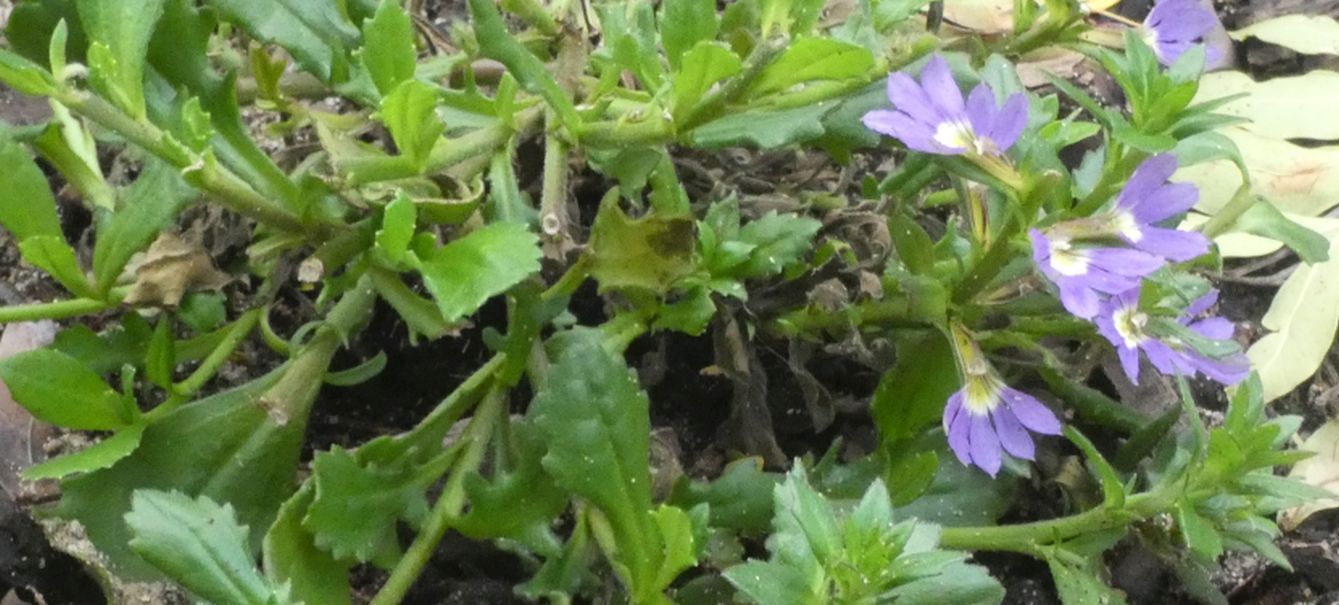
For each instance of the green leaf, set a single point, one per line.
(464, 273)
(315, 33)
(398, 224)
(684, 25)
(1199, 534)
(98, 456)
(911, 396)
(161, 359)
(358, 374)
(149, 206)
(764, 128)
(292, 558)
(1077, 585)
(409, 112)
(1265, 220)
(506, 203)
(1306, 34)
(199, 544)
(51, 253)
(203, 311)
(690, 314)
(518, 504)
(777, 240)
(120, 33)
(679, 550)
(58, 389)
(388, 51)
(699, 69)
(497, 43)
(811, 59)
(1113, 490)
(740, 499)
(25, 76)
(27, 208)
(595, 421)
(359, 502)
(651, 253)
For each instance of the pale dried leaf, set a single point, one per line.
(1306, 34)
(1298, 180)
(1321, 470)
(172, 267)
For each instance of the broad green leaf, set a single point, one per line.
(359, 502)
(676, 535)
(120, 33)
(198, 543)
(810, 59)
(740, 499)
(409, 112)
(1320, 470)
(244, 452)
(690, 314)
(149, 206)
(58, 389)
(315, 33)
(1302, 325)
(1264, 220)
(398, 223)
(684, 25)
(292, 558)
(1295, 107)
(699, 69)
(777, 240)
(1077, 585)
(595, 421)
(518, 504)
(388, 51)
(27, 208)
(464, 273)
(651, 253)
(911, 396)
(24, 75)
(98, 456)
(764, 128)
(1306, 34)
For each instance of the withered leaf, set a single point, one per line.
(172, 267)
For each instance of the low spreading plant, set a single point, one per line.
(1002, 270)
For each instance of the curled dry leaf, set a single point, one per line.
(172, 267)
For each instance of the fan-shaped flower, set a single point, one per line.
(1174, 26)
(1130, 330)
(931, 116)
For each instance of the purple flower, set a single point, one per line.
(1148, 199)
(1174, 26)
(987, 416)
(1084, 272)
(932, 117)
(1110, 251)
(1131, 330)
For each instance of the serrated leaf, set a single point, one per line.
(690, 314)
(120, 32)
(1306, 34)
(651, 253)
(465, 273)
(1079, 586)
(315, 33)
(358, 504)
(698, 70)
(292, 559)
(958, 583)
(684, 25)
(58, 389)
(676, 536)
(398, 223)
(595, 421)
(410, 113)
(777, 240)
(519, 504)
(811, 59)
(388, 51)
(98, 456)
(740, 499)
(199, 544)
(149, 206)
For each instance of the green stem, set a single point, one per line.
(1226, 216)
(61, 309)
(449, 505)
(1033, 538)
(210, 364)
(553, 196)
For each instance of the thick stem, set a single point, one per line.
(61, 309)
(553, 197)
(1032, 538)
(1223, 220)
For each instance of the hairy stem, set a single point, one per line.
(61, 309)
(1033, 538)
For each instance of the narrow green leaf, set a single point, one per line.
(497, 43)
(149, 207)
(764, 128)
(1113, 490)
(98, 456)
(51, 253)
(25, 76)
(161, 359)
(358, 374)
(464, 273)
(315, 33)
(60, 390)
(199, 544)
(27, 208)
(388, 47)
(398, 224)
(120, 32)
(1198, 532)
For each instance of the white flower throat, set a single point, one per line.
(1067, 260)
(958, 134)
(1130, 324)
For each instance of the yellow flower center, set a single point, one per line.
(1067, 260)
(1130, 324)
